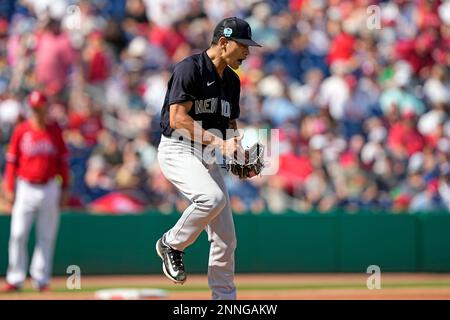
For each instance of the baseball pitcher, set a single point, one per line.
(201, 103)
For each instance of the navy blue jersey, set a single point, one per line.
(215, 100)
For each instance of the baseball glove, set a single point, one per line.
(249, 165)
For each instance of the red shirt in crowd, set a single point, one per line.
(342, 48)
(98, 67)
(36, 155)
(88, 124)
(54, 58)
(417, 52)
(294, 169)
(402, 136)
(168, 38)
(427, 15)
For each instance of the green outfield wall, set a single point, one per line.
(290, 242)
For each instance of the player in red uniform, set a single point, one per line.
(36, 157)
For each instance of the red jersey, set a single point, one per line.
(36, 155)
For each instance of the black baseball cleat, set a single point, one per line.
(173, 266)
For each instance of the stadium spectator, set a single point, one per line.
(54, 58)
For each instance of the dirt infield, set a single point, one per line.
(260, 287)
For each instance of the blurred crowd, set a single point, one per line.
(359, 90)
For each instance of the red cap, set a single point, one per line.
(37, 99)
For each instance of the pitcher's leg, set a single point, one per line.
(221, 234)
(47, 222)
(22, 218)
(193, 179)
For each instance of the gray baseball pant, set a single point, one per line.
(210, 210)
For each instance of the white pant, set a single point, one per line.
(40, 202)
(210, 210)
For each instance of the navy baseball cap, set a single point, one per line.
(235, 29)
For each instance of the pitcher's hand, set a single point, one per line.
(229, 148)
